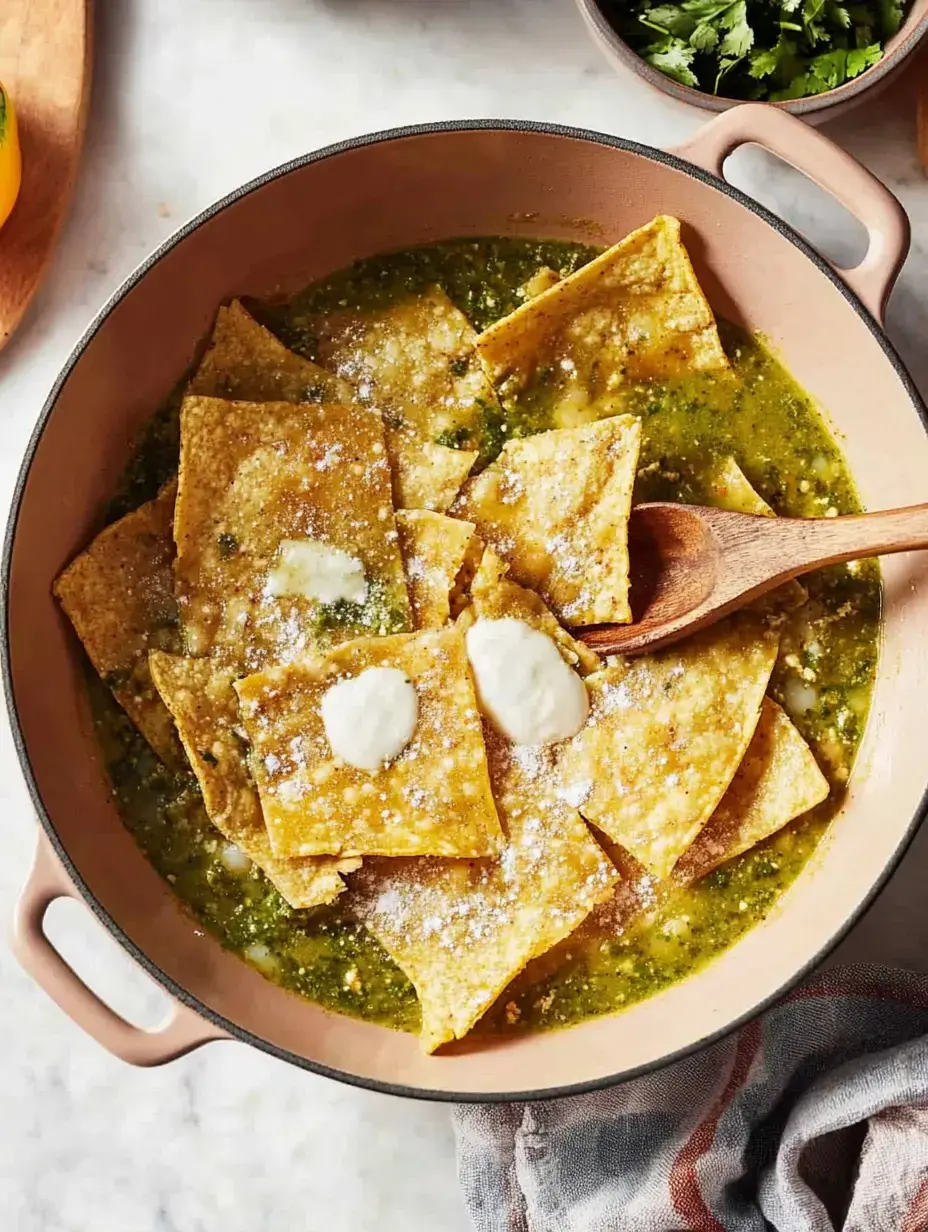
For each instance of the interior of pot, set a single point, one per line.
(300, 226)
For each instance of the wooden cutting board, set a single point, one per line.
(45, 67)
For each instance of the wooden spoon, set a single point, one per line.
(690, 566)
(45, 67)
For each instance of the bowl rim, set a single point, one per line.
(166, 982)
(909, 40)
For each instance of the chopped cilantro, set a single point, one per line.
(378, 614)
(454, 438)
(758, 49)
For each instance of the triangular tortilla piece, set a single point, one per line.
(200, 696)
(631, 899)
(636, 312)
(460, 594)
(636, 893)
(119, 596)
(778, 780)
(665, 736)
(426, 475)
(247, 363)
(256, 476)
(727, 487)
(463, 929)
(555, 507)
(416, 361)
(495, 597)
(434, 549)
(433, 799)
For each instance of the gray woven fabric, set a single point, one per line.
(811, 1119)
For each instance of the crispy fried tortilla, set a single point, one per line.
(433, 799)
(555, 507)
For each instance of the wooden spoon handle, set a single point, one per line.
(801, 544)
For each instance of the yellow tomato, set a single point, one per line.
(10, 158)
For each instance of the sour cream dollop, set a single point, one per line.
(370, 718)
(318, 571)
(523, 684)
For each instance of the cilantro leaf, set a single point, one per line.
(740, 37)
(891, 14)
(827, 71)
(797, 88)
(704, 37)
(838, 16)
(737, 42)
(674, 58)
(765, 60)
(670, 18)
(862, 58)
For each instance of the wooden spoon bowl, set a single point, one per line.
(690, 565)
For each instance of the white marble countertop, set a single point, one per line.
(189, 101)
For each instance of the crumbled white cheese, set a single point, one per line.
(369, 719)
(235, 859)
(524, 686)
(316, 570)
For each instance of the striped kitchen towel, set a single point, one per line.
(812, 1118)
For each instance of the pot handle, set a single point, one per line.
(181, 1033)
(830, 167)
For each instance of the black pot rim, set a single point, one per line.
(160, 977)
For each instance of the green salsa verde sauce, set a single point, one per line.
(823, 678)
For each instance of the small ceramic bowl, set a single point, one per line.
(819, 107)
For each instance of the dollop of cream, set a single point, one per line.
(524, 686)
(370, 718)
(318, 571)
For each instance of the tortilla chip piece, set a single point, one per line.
(460, 593)
(728, 488)
(119, 596)
(555, 507)
(246, 362)
(434, 548)
(494, 597)
(433, 799)
(636, 312)
(463, 929)
(778, 780)
(426, 475)
(416, 361)
(254, 476)
(665, 736)
(200, 696)
(634, 896)
(543, 279)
